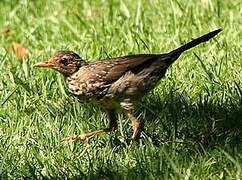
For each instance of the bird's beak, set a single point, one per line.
(47, 64)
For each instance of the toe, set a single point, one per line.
(74, 138)
(71, 138)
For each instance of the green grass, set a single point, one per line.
(192, 120)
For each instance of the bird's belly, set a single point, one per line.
(132, 88)
(102, 102)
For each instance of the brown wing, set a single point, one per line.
(101, 74)
(112, 69)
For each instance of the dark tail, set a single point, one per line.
(194, 42)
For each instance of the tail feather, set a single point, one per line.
(194, 42)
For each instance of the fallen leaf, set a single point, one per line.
(96, 13)
(19, 50)
(6, 31)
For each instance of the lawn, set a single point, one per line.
(192, 120)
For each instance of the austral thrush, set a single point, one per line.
(116, 83)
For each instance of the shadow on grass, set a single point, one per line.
(208, 121)
(174, 119)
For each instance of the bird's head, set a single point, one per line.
(66, 62)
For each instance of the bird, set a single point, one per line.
(115, 83)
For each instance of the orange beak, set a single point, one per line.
(47, 64)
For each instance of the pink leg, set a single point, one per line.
(135, 124)
(112, 126)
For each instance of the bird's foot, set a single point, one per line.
(75, 138)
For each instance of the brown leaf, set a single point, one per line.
(19, 50)
(6, 31)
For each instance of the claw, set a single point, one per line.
(74, 138)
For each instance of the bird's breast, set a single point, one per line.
(89, 91)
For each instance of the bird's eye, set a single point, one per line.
(64, 61)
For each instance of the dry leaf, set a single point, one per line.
(19, 50)
(6, 31)
(96, 13)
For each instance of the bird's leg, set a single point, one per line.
(135, 124)
(112, 126)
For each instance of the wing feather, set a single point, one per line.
(100, 74)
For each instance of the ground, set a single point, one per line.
(192, 120)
